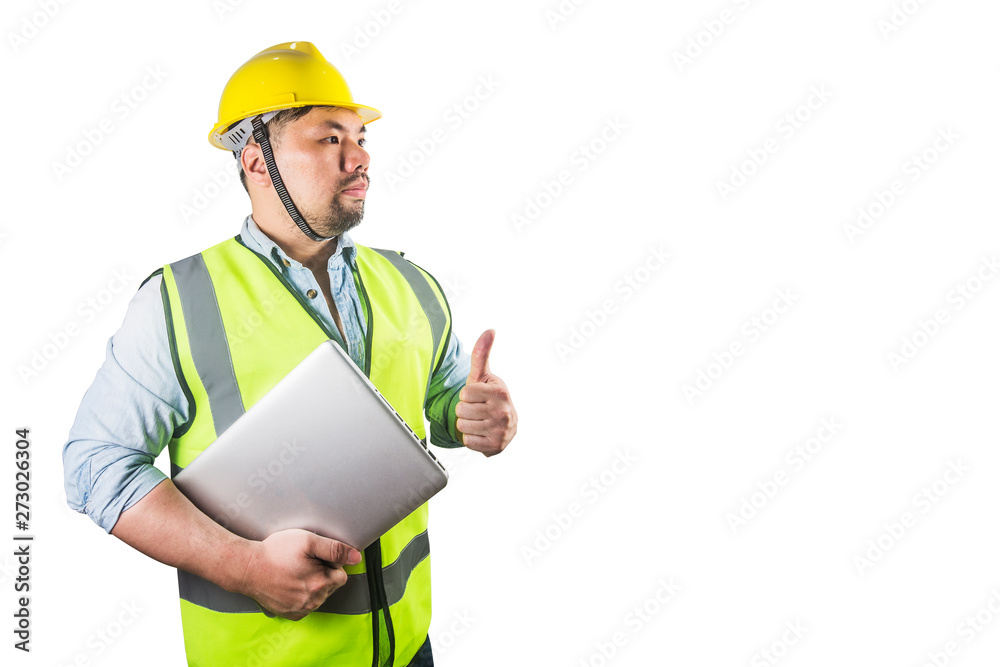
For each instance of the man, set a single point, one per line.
(205, 337)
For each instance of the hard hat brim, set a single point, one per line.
(367, 114)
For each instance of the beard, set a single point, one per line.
(338, 218)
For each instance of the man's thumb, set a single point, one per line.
(334, 552)
(480, 367)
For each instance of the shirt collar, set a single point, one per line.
(262, 243)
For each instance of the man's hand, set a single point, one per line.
(486, 419)
(292, 572)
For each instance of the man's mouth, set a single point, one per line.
(358, 189)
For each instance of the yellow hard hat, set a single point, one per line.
(284, 76)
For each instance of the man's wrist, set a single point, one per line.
(236, 558)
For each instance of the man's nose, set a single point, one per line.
(355, 156)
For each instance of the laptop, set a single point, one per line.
(322, 451)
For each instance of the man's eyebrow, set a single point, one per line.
(337, 126)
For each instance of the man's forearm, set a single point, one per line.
(165, 525)
(291, 572)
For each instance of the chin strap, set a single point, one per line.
(260, 134)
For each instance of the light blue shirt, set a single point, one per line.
(130, 412)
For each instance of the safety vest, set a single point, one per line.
(236, 327)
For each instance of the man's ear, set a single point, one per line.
(252, 161)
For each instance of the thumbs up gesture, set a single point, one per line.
(485, 415)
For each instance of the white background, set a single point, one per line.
(534, 563)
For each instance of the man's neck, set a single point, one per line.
(314, 255)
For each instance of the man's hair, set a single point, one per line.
(274, 129)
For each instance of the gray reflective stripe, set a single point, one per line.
(204, 593)
(352, 598)
(396, 575)
(207, 338)
(425, 295)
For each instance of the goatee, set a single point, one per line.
(338, 218)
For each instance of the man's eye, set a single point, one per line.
(333, 140)
(362, 142)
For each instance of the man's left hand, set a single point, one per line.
(486, 419)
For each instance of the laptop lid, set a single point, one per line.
(322, 451)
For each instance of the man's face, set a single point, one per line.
(324, 165)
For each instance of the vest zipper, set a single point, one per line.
(373, 554)
(379, 601)
(373, 557)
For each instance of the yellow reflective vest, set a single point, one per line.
(236, 327)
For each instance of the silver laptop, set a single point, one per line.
(322, 451)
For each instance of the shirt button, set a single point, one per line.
(285, 262)
(311, 294)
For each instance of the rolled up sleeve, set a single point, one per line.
(126, 417)
(442, 397)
